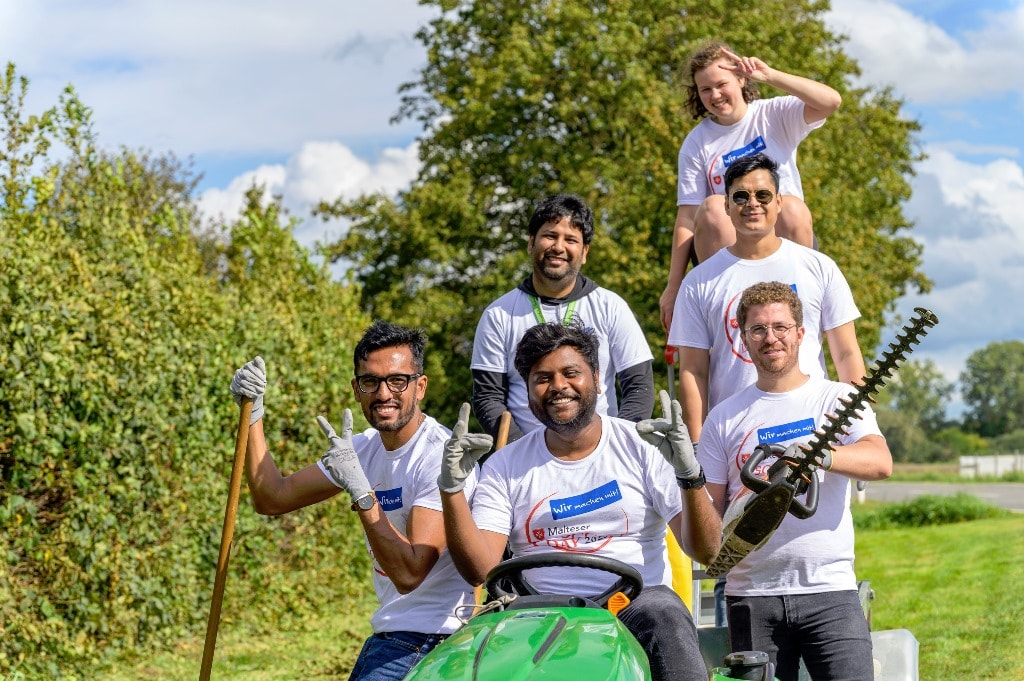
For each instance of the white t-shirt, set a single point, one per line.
(616, 502)
(772, 126)
(705, 310)
(401, 479)
(803, 556)
(505, 321)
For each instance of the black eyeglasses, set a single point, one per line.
(397, 383)
(763, 196)
(758, 332)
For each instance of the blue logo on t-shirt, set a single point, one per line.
(785, 431)
(390, 499)
(754, 147)
(596, 498)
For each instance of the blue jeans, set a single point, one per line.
(827, 629)
(389, 655)
(663, 625)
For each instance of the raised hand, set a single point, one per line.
(670, 435)
(748, 67)
(251, 381)
(341, 460)
(461, 453)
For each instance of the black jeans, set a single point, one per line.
(827, 629)
(663, 625)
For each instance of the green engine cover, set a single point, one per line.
(549, 644)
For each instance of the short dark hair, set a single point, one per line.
(705, 56)
(766, 293)
(745, 165)
(543, 339)
(554, 208)
(383, 334)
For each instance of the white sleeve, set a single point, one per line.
(689, 328)
(492, 505)
(787, 114)
(489, 351)
(691, 185)
(838, 305)
(627, 345)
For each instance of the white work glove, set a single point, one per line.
(251, 381)
(341, 460)
(461, 453)
(670, 436)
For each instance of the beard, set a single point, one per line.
(778, 365)
(394, 423)
(561, 272)
(586, 406)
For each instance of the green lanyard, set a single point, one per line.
(539, 315)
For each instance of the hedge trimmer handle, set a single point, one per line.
(777, 475)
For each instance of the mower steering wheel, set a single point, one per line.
(629, 581)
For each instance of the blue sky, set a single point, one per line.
(299, 96)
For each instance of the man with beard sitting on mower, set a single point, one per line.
(585, 483)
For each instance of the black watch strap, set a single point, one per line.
(692, 483)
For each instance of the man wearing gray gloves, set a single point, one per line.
(584, 483)
(390, 472)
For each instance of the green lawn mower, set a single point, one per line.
(522, 635)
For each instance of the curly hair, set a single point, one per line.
(706, 55)
(543, 339)
(766, 293)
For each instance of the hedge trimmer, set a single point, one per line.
(752, 520)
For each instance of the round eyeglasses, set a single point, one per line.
(758, 332)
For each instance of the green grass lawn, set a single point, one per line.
(957, 588)
(324, 648)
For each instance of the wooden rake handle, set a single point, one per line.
(234, 490)
(504, 423)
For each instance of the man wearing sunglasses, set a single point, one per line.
(390, 473)
(714, 359)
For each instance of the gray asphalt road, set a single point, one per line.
(1006, 494)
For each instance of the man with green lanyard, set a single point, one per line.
(559, 237)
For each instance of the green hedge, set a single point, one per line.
(928, 509)
(120, 328)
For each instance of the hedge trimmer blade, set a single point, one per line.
(759, 514)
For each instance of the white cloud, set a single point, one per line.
(966, 217)
(926, 63)
(197, 77)
(318, 171)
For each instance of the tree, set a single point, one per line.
(521, 100)
(992, 385)
(920, 392)
(905, 437)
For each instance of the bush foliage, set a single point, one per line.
(928, 509)
(119, 332)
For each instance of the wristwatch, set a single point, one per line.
(365, 502)
(692, 483)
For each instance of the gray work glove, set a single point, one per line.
(251, 381)
(461, 453)
(670, 436)
(341, 460)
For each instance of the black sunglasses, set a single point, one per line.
(763, 196)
